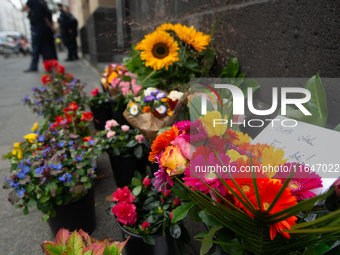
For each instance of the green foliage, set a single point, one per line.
(100, 100)
(80, 243)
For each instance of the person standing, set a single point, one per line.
(36, 10)
(64, 24)
(73, 32)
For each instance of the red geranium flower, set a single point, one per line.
(94, 92)
(60, 69)
(86, 116)
(49, 64)
(123, 194)
(45, 79)
(68, 77)
(125, 212)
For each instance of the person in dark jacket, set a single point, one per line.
(64, 24)
(37, 14)
(73, 32)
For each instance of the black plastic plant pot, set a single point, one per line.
(154, 167)
(117, 112)
(101, 115)
(136, 245)
(78, 214)
(124, 167)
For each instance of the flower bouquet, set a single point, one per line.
(153, 111)
(58, 91)
(101, 108)
(67, 242)
(125, 148)
(143, 212)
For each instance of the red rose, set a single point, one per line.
(146, 181)
(176, 201)
(61, 69)
(94, 92)
(123, 194)
(125, 212)
(145, 225)
(45, 79)
(86, 116)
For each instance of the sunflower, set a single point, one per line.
(159, 49)
(198, 40)
(166, 27)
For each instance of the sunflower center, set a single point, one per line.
(160, 51)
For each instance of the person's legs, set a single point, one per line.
(36, 47)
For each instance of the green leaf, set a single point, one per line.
(202, 234)
(45, 218)
(206, 245)
(311, 119)
(30, 187)
(52, 249)
(149, 239)
(249, 84)
(25, 210)
(138, 151)
(136, 190)
(75, 244)
(318, 102)
(131, 143)
(136, 182)
(181, 211)
(84, 179)
(32, 202)
(180, 193)
(337, 128)
(207, 219)
(90, 253)
(175, 231)
(44, 199)
(150, 203)
(153, 218)
(80, 171)
(193, 213)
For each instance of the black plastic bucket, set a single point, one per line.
(154, 167)
(117, 112)
(77, 214)
(101, 115)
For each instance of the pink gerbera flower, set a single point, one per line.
(303, 181)
(199, 169)
(162, 177)
(183, 125)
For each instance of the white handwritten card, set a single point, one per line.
(306, 144)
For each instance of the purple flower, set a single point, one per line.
(160, 95)
(154, 93)
(161, 109)
(149, 99)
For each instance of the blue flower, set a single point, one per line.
(60, 99)
(25, 169)
(21, 175)
(38, 102)
(61, 144)
(65, 177)
(5, 179)
(41, 138)
(70, 143)
(39, 170)
(91, 142)
(58, 167)
(160, 96)
(21, 192)
(148, 99)
(79, 158)
(40, 112)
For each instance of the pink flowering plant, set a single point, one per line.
(121, 140)
(143, 211)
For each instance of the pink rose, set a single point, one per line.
(125, 91)
(115, 82)
(123, 194)
(145, 225)
(139, 138)
(146, 181)
(111, 123)
(136, 88)
(110, 134)
(125, 212)
(124, 84)
(125, 128)
(183, 145)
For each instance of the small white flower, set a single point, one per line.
(134, 110)
(174, 95)
(161, 109)
(148, 91)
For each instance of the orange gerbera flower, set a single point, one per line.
(231, 135)
(162, 141)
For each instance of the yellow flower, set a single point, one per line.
(111, 76)
(17, 151)
(159, 50)
(30, 137)
(35, 127)
(198, 40)
(173, 160)
(165, 27)
(271, 159)
(242, 138)
(235, 155)
(208, 121)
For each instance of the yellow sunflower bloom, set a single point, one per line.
(166, 27)
(35, 127)
(197, 40)
(30, 137)
(159, 50)
(17, 151)
(272, 158)
(242, 138)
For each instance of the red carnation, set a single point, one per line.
(125, 212)
(86, 116)
(145, 225)
(94, 92)
(146, 181)
(123, 194)
(45, 79)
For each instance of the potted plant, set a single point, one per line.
(125, 148)
(101, 108)
(67, 243)
(146, 215)
(58, 176)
